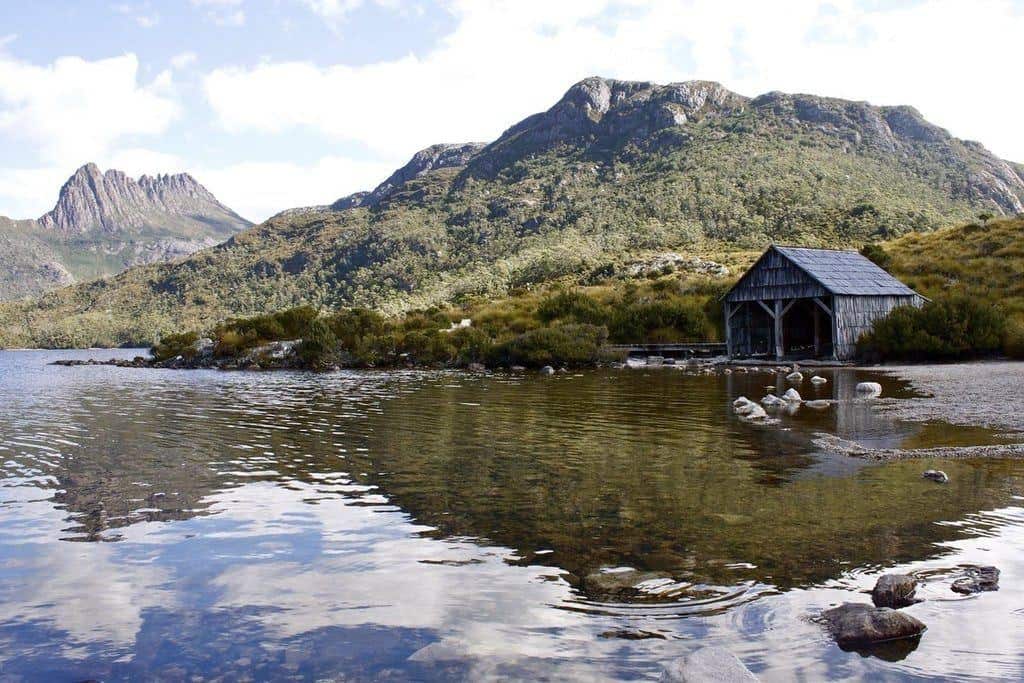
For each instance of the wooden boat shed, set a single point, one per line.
(796, 302)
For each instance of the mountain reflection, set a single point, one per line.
(642, 469)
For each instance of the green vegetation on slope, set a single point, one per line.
(975, 275)
(561, 198)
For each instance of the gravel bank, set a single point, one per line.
(983, 394)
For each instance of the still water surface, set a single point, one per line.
(436, 526)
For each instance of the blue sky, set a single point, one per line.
(281, 103)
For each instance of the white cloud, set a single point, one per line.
(141, 13)
(257, 190)
(184, 60)
(74, 110)
(508, 59)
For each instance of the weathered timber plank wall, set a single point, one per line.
(854, 316)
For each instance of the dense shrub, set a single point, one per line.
(1013, 339)
(571, 306)
(571, 345)
(658, 321)
(319, 346)
(950, 328)
(174, 345)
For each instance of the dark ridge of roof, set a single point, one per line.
(845, 272)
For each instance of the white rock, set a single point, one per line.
(818, 380)
(819, 404)
(741, 401)
(795, 377)
(772, 400)
(792, 395)
(869, 389)
(707, 664)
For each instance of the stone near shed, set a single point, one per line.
(547, 370)
(704, 665)
(795, 377)
(792, 395)
(977, 580)
(818, 380)
(936, 475)
(869, 389)
(855, 625)
(819, 404)
(772, 401)
(894, 590)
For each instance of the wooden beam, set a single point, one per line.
(728, 328)
(779, 346)
(817, 332)
(788, 306)
(765, 307)
(733, 311)
(821, 303)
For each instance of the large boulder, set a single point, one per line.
(894, 590)
(854, 625)
(707, 664)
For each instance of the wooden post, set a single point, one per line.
(779, 346)
(728, 330)
(817, 332)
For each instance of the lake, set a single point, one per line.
(191, 525)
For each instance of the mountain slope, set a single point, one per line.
(105, 222)
(612, 171)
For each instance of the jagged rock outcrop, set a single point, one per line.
(114, 222)
(92, 201)
(426, 160)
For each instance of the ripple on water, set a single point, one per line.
(260, 514)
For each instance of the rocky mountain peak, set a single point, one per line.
(112, 202)
(608, 112)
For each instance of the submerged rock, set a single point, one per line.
(792, 395)
(854, 624)
(977, 579)
(706, 664)
(869, 389)
(618, 583)
(936, 476)
(894, 590)
(819, 404)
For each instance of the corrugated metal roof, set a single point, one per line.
(845, 272)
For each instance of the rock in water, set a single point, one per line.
(795, 377)
(820, 404)
(894, 590)
(792, 395)
(936, 475)
(869, 389)
(854, 624)
(771, 400)
(818, 380)
(978, 579)
(706, 664)
(744, 407)
(547, 370)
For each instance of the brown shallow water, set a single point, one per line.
(360, 526)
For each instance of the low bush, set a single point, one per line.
(951, 328)
(572, 345)
(174, 345)
(319, 346)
